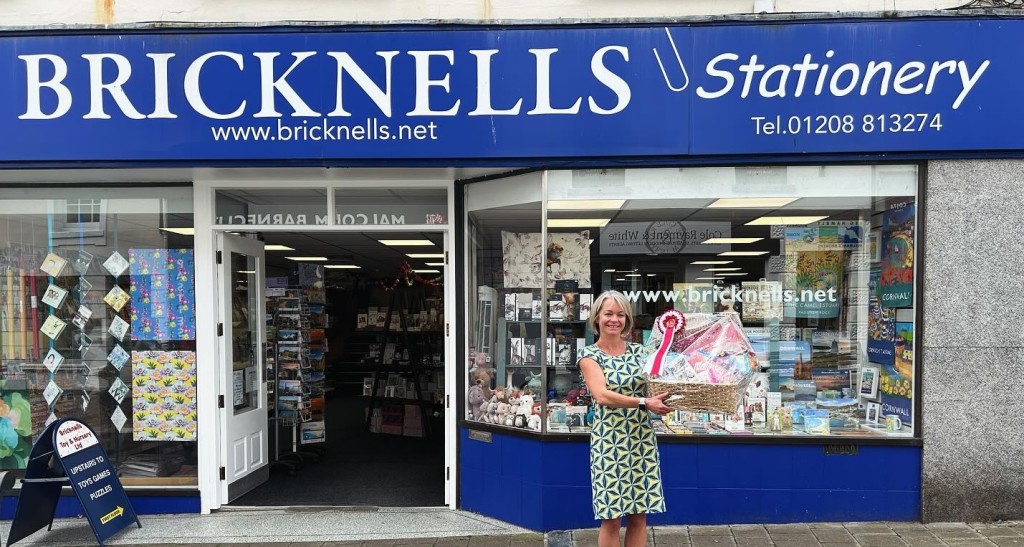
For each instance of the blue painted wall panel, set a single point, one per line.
(546, 485)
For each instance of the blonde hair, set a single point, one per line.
(618, 298)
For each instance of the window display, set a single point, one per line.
(790, 291)
(97, 323)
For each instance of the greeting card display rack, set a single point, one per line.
(385, 359)
(297, 377)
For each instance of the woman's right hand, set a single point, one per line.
(657, 404)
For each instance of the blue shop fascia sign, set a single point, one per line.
(842, 86)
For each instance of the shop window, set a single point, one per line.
(97, 323)
(812, 266)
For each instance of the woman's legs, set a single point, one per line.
(636, 530)
(608, 534)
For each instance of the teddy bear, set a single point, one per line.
(490, 410)
(478, 392)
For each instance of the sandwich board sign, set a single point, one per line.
(69, 451)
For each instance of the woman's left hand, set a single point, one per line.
(657, 404)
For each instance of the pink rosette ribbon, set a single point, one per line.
(668, 324)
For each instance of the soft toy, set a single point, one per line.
(481, 383)
(523, 411)
(532, 384)
(501, 415)
(534, 421)
(492, 410)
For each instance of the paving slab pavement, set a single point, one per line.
(326, 527)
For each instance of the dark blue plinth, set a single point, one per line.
(546, 485)
(68, 506)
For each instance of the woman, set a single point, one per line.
(626, 481)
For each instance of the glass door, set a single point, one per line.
(241, 335)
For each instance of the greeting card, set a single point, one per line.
(116, 298)
(116, 264)
(51, 392)
(118, 357)
(82, 262)
(54, 296)
(118, 328)
(118, 390)
(52, 327)
(53, 360)
(118, 418)
(53, 265)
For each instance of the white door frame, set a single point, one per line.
(206, 182)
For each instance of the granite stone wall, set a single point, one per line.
(973, 341)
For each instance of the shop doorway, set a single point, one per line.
(354, 352)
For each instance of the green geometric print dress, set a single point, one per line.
(625, 473)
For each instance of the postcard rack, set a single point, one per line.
(297, 377)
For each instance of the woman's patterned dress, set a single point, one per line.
(625, 473)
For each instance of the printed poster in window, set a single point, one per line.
(162, 294)
(817, 283)
(164, 395)
(566, 256)
(762, 300)
(896, 286)
(881, 324)
(896, 384)
(15, 428)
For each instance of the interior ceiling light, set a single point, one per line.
(708, 279)
(633, 275)
(734, 273)
(246, 271)
(768, 221)
(711, 262)
(342, 267)
(722, 269)
(651, 275)
(181, 231)
(578, 222)
(307, 258)
(730, 240)
(406, 242)
(277, 248)
(426, 271)
(753, 203)
(584, 204)
(425, 255)
(620, 278)
(743, 253)
(610, 270)
(435, 263)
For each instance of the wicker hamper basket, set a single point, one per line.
(722, 398)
